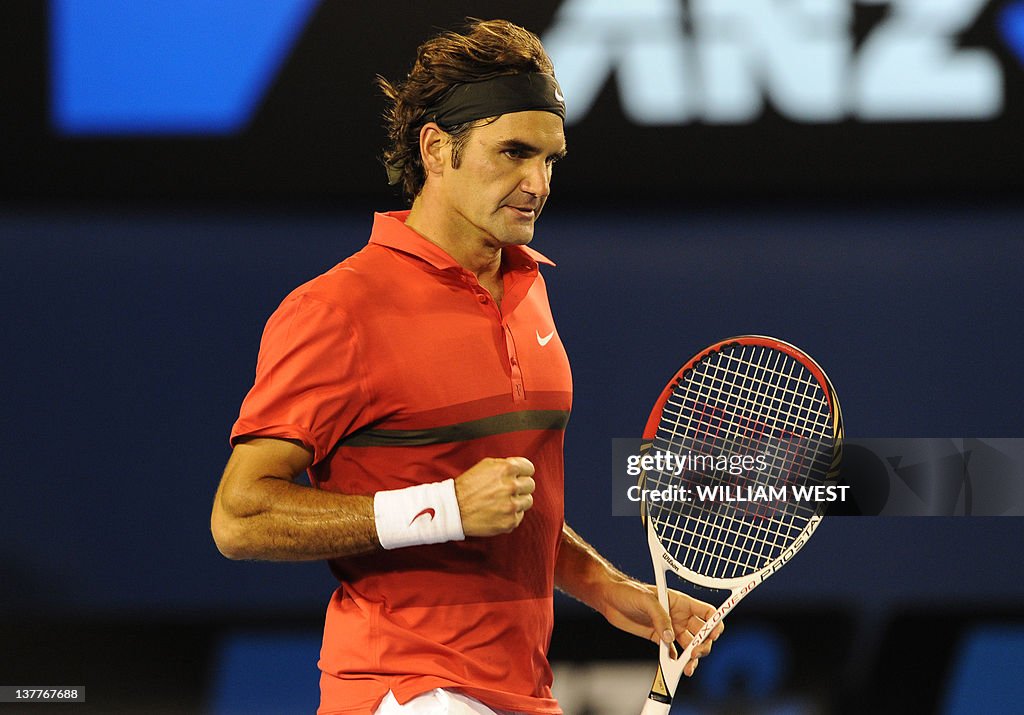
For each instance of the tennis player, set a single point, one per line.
(422, 385)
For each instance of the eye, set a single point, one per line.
(514, 153)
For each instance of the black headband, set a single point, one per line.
(506, 94)
(500, 95)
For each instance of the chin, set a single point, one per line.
(518, 240)
(517, 236)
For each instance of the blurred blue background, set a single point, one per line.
(150, 222)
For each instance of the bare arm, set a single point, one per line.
(259, 512)
(626, 603)
(581, 571)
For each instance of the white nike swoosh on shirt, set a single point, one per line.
(546, 339)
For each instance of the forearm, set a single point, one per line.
(279, 520)
(582, 572)
(259, 511)
(628, 604)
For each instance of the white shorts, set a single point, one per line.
(436, 702)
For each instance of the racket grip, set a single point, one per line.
(655, 707)
(659, 701)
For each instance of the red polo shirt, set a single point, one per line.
(397, 368)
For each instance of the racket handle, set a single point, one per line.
(659, 701)
(655, 707)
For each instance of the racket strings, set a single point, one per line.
(777, 531)
(728, 518)
(742, 400)
(730, 552)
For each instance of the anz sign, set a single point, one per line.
(202, 67)
(718, 61)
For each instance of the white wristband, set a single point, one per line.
(423, 514)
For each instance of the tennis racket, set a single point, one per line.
(754, 428)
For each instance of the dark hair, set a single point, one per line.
(486, 49)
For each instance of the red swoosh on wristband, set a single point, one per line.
(429, 511)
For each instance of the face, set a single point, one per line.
(503, 178)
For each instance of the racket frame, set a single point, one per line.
(670, 669)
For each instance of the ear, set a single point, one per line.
(435, 146)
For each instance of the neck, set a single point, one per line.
(471, 248)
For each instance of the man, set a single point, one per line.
(422, 385)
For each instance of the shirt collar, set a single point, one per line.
(389, 230)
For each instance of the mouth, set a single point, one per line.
(524, 212)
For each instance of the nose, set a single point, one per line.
(537, 180)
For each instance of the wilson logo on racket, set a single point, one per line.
(745, 396)
(671, 561)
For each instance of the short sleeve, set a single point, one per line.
(309, 385)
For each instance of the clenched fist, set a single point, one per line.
(494, 494)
